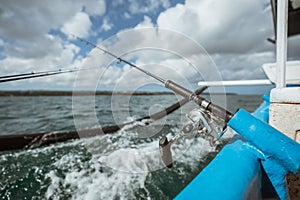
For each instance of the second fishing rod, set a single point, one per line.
(214, 109)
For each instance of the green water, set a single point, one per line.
(125, 165)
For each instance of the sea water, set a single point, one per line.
(123, 165)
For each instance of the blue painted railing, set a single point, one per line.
(235, 172)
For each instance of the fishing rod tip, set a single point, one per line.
(76, 37)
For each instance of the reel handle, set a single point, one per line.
(165, 151)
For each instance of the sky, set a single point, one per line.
(186, 41)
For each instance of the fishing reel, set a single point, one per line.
(200, 123)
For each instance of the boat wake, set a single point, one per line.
(118, 166)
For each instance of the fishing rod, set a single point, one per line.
(253, 129)
(209, 122)
(36, 73)
(178, 89)
(15, 77)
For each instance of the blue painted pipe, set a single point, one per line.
(229, 176)
(267, 139)
(236, 168)
(281, 154)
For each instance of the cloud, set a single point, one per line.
(79, 25)
(243, 66)
(106, 25)
(146, 23)
(95, 8)
(63, 59)
(28, 22)
(218, 25)
(147, 6)
(165, 53)
(127, 15)
(233, 33)
(40, 46)
(28, 19)
(32, 41)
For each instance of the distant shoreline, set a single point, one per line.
(5, 93)
(77, 93)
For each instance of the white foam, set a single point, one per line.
(55, 180)
(111, 166)
(119, 171)
(143, 159)
(94, 182)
